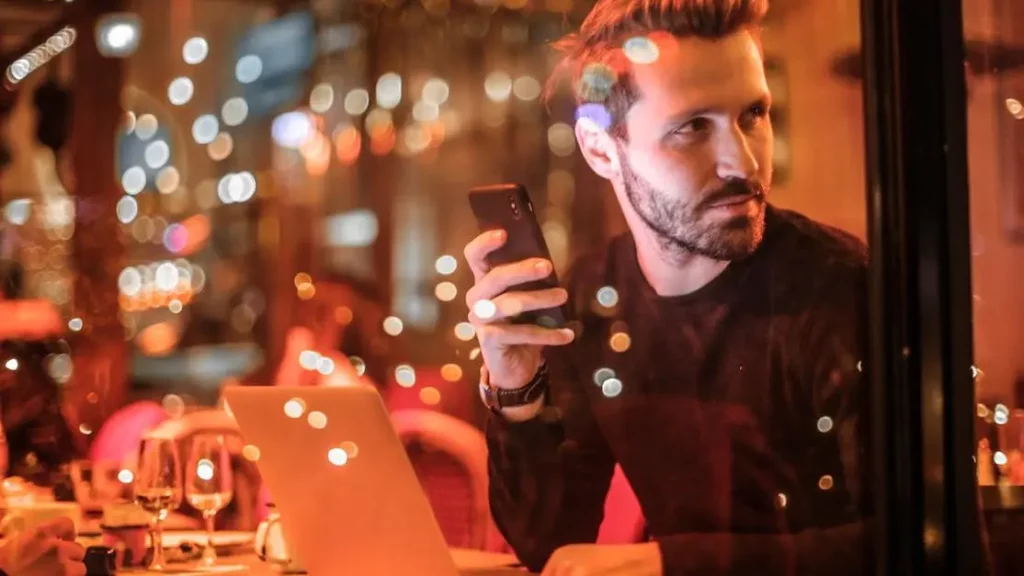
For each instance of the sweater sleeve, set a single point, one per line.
(549, 476)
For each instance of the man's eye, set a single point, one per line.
(758, 111)
(754, 115)
(693, 126)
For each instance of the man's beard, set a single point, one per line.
(681, 227)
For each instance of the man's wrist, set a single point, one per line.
(485, 376)
(515, 404)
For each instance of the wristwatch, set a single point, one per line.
(497, 398)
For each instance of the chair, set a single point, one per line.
(453, 398)
(118, 438)
(450, 458)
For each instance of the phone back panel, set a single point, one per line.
(493, 208)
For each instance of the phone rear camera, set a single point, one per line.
(514, 205)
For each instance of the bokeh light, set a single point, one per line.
(195, 50)
(180, 91)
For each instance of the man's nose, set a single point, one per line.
(735, 157)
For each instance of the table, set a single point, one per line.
(463, 557)
(475, 561)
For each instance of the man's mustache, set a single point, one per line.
(734, 189)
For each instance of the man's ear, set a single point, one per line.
(598, 148)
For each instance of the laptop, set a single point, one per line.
(349, 498)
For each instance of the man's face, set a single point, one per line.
(696, 163)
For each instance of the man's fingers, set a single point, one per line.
(69, 551)
(478, 248)
(511, 304)
(62, 528)
(74, 569)
(521, 334)
(503, 277)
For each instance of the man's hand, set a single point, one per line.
(605, 560)
(49, 550)
(511, 352)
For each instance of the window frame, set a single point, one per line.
(921, 349)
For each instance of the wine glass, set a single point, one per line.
(209, 486)
(158, 488)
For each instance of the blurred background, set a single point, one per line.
(247, 191)
(306, 163)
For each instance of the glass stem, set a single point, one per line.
(158, 562)
(209, 553)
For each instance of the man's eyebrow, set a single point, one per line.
(688, 113)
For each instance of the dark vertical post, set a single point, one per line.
(100, 353)
(920, 288)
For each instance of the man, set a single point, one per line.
(715, 349)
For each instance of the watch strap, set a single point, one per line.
(498, 398)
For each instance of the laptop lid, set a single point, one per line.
(349, 498)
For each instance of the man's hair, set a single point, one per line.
(597, 65)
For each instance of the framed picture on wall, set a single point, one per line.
(1006, 58)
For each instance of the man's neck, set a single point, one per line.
(673, 273)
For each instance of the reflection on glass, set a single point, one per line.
(356, 166)
(994, 34)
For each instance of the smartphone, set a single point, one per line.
(508, 207)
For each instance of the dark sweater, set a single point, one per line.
(740, 423)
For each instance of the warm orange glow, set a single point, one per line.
(149, 299)
(157, 340)
(430, 396)
(343, 315)
(251, 453)
(451, 372)
(378, 122)
(620, 341)
(197, 232)
(437, 133)
(347, 144)
(383, 142)
(307, 291)
(317, 152)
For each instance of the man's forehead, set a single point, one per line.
(697, 65)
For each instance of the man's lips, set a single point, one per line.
(734, 200)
